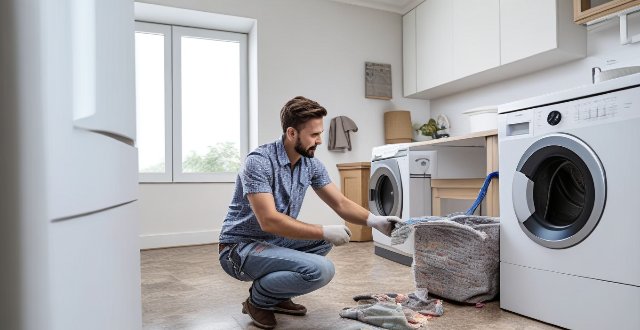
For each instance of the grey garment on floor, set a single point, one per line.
(339, 138)
(417, 301)
(384, 315)
(456, 257)
(394, 311)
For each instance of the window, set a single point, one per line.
(191, 98)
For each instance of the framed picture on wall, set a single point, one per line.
(377, 81)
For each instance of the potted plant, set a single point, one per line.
(431, 129)
(418, 134)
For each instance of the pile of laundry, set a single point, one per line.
(394, 311)
(456, 257)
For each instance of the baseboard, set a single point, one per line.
(393, 256)
(179, 239)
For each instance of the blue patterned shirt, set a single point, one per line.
(268, 170)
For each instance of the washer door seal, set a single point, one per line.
(559, 191)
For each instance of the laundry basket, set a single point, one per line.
(456, 257)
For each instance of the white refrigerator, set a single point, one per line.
(69, 214)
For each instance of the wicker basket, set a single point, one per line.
(397, 127)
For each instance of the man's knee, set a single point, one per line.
(321, 272)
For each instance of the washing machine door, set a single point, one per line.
(559, 191)
(385, 189)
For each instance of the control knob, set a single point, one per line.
(554, 117)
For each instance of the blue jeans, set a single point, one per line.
(279, 270)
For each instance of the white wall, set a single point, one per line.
(602, 46)
(314, 48)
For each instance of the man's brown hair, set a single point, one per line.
(298, 111)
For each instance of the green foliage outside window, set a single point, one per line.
(223, 157)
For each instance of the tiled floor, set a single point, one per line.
(185, 288)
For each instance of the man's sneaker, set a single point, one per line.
(289, 307)
(262, 318)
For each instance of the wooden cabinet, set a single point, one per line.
(464, 44)
(354, 184)
(434, 43)
(476, 36)
(585, 10)
(453, 189)
(409, 52)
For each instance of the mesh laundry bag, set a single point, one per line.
(456, 257)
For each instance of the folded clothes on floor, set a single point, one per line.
(394, 311)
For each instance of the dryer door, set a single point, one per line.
(559, 191)
(385, 189)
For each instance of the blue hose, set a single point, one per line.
(483, 192)
(481, 195)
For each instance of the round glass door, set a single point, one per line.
(559, 191)
(385, 195)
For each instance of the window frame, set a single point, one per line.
(165, 30)
(173, 101)
(177, 33)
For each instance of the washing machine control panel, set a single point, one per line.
(591, 111)
(422, 162)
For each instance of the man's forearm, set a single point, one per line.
(352, 212)
(286, 226)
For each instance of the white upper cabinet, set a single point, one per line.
(409, 52)
(434, 43)
(476, 36)
(464, 44)
(528, 28)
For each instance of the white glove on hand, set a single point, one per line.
(336, 234)
(383, 224)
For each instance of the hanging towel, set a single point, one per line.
(339, 138)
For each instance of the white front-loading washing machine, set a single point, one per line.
(569, 184)
(400, 185)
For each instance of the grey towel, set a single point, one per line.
(339, 138)
(394, 311)
(381, 314)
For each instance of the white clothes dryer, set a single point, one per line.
(400, 185)
(569, 247)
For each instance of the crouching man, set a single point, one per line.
(262, 242)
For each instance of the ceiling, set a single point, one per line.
(394, 6)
